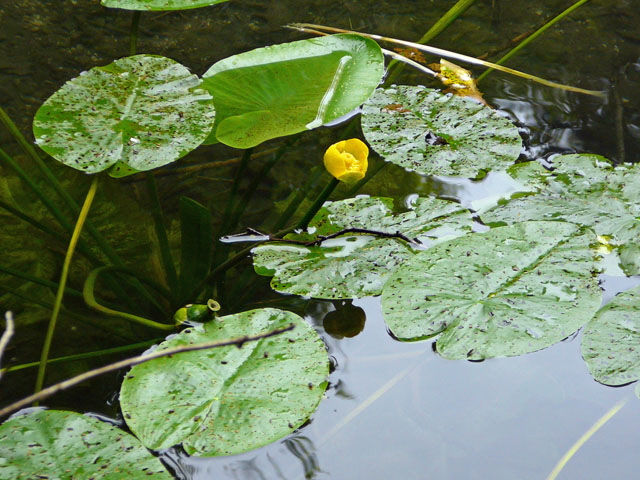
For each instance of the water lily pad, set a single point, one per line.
(159, 4)
(56, 444)
(137, 113)
(285, 89)
(508, 291)
(357, 264)
(228, 400)
(611, 340)
(432, 133)
(584, 189)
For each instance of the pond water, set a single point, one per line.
(393, 409)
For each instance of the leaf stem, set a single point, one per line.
(63, 281)
(317, 204)
(133, 35)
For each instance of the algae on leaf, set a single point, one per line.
(228, 400)
(585, 189)
(137, 113)
(611, 340)
(508, 291)
(57, 444)
(356, 265)
(426, 131)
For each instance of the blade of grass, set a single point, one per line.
(63, 282)
(448, 54)
(584, 438)
(533, 36)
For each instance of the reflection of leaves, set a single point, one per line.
(475, 138)
(228, 400)
(354, 266)
(509, 291)
(611, 340)
(583, 189)
(45, 443)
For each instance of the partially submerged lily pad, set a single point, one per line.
(357, 264)
(288, 88)
(432, 133)
(508, 291)
(228, 400)
(611, 340)
(137, 113)
(56, 444)
(153, 5)
(584, 189)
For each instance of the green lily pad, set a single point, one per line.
(159, 4)
(285, 89)
(508, 291)
(56, 444)
(356, 265)
(432, 133)
(611, 340)
(228, 400)
(584, 189)
(137, 113)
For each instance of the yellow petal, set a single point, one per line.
(347, 160)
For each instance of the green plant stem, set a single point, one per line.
(443, 22)
(514, 51)
(90, 300)
(161, 233)
(133, 36)
(63, 282)
(317, 204)
(83, 356)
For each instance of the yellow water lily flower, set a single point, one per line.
(347, 160)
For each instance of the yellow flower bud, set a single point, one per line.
(347, 160)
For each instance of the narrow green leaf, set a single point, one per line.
(508, 291)
(285, 89)
(356, 264)
(137, 113)
(228, 400)
(56, 444)
(426, 131)
(196, 246)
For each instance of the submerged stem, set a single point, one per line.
(63, 281)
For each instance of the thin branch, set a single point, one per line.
(364, 231)
(130, 362)
(7, 334)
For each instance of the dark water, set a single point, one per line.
(394, 410)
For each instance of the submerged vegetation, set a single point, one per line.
(513, 276)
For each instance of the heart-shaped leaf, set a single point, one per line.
(285, 89)
(56, 444)
(228, 400)
(508, 291)
(357, 264)
(159, 4)
(584, 189)
(432, 133)
(137, 113)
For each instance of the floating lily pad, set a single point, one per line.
(159, 4)
(355, 264)
(584, 189)
(56, 444)
(432, 133)
(508, 291)
(285, 89)
(611, 340)
(228, 400)
(137, 113)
